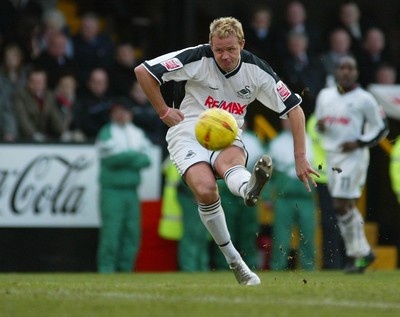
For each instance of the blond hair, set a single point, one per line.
(224, 27)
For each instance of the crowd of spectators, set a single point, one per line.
(83, 71)
(58, 86)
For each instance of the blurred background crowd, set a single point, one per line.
(75, 56)
(64, 62)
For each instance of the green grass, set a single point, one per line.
(212, 294)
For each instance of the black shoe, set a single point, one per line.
(262, 171)
(349, 266)
(359, 265)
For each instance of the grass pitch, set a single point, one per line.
(200, 294)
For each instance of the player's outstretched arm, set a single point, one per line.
(303, 166)
(152, 90)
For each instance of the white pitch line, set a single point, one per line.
(215, 299)
(226, 300)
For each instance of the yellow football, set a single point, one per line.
(216, 129)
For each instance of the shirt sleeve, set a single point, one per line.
(318, 105)
(274, 93)
(179, 65)
(376, 125)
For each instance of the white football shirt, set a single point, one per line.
(352, 116)
(208, 86)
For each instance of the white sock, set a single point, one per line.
(237, 178)
(213, 218)
(351, 226)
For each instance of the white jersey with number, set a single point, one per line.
(352, 116)
(208, 86)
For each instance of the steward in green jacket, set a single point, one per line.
(122, 149)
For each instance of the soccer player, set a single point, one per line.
(222, 74)
(350, 121)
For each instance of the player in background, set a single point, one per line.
(350, 121)
(222, 74)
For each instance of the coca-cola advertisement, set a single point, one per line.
(57, 185)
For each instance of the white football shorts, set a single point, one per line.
(347, 173)
(185, 150)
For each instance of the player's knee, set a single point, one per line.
(340, 210)
(343, 209)
(341, 206)
(207, 193)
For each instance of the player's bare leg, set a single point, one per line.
(201, 180)
(351, 225)
(230, 165)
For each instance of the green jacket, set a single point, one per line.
(282, 186)
(121, 168)
(284, 182)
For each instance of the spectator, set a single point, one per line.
(8, 123)
(146, 117)
(302, 71)
(339, 46)
(66, 97)
(123, 151)
(55, 59)
(13, 76)
(374, 52)
(386, 77)
(350, 18)
(386, 74)
(121, 71)
(260, 37)
(296, 22)
(36, 109)
(92, 110)
(20, 23)
(93, 48)
(54, 22)
(13, 69)
(292, 204)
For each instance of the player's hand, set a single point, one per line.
(304, 172)
(349, 146)
(174, 117)
(321, 125)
